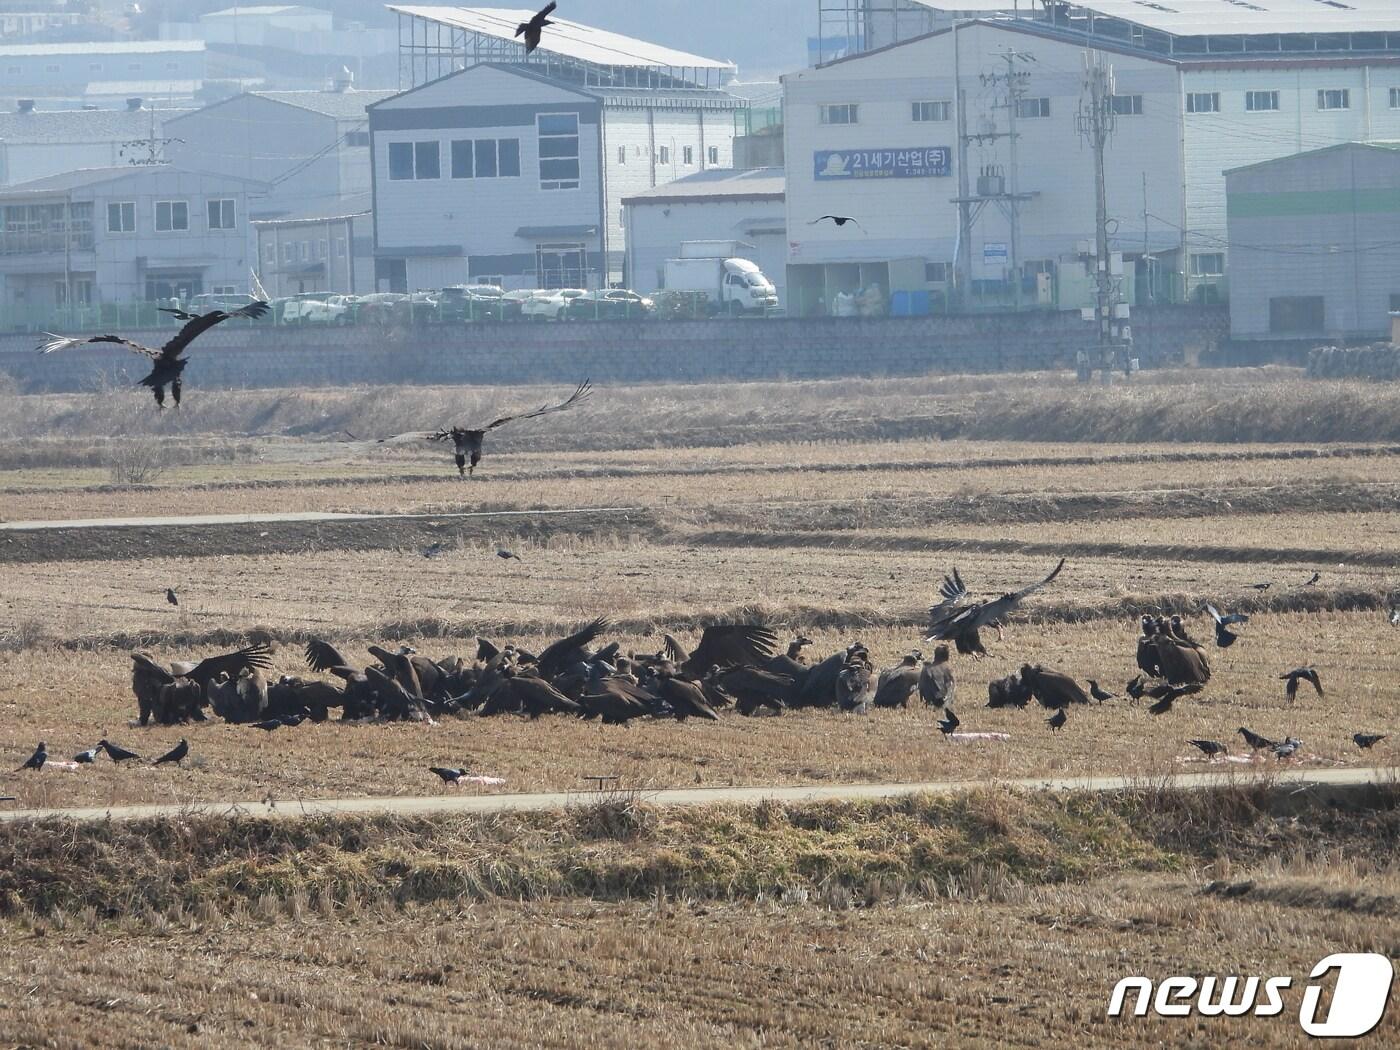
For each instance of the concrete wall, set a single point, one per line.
(619, 352)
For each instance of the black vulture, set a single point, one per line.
(1179, 662)
(897, 684)
(723, 646)
(167, 364)
(686, 699)
(1054, 689)
(466, 441)
(566, 652)
(532, 29)
(936, 682)
(954, 619)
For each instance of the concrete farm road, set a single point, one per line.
(458, 801)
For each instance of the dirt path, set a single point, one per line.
(455, 802)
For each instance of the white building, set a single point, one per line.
(720, 204)
(171, 70)
(35, 142)
(1221, 86)
(267, 25)
(330, 249)
(514, 171)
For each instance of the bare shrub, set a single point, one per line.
(28, 634)
(136, 461)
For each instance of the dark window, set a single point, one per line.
(485, 158)
(1127, 105)
(425, 160)
(1296, 313)
(400, 160)
(462, 158)
(508, 158)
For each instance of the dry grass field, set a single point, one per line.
(826, 509)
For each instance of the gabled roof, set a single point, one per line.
(355, 204)
(339, 105)
(503, 67)
(570, 39)
(103, 47)
(1383, 146)
(717, 184)
(83, 178)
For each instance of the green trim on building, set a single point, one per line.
(1313, 202)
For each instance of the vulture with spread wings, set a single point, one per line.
(737, 645)
(957, 620)
(167, 364)
(466, 441)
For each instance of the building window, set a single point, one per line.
(494, 279)
(664, 155)
(462, 158)
(1297, 313)
(221, 214)
(304, 250)
(172, 216)
(558, 142)
(936, 272)
(1395, 98)
(357, 138)
(94, 67)
(1208, 264)
(687, 156)
(622, 154)
(121, 218)
(1260, 101)
(928, 111)
(1127, 105)
(843, 113)
(485, 158)
(1032, 107)
(289, 252)
(269, 253)
(413, 160)
(1203, 102)
(50, 69)
(714, 154)
(340, 247)
(224, 289)
(1333, 98)
(321, 249)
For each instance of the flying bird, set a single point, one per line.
(466, 441)
(1224, 637)
(1299, 675)
(1366, 741)
(36, 761)
(532, 29)
(1210, 748)
(117, 753)
(1255, 741)
(839, 220)
(170, 596)
(167, 364)
(1056, 720)
(176, 754)
(957, 620)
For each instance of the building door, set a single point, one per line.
(391, 275)
(561, 266)
(1300, 314)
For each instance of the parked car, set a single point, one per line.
(416, 308)
(513, 303)
(333, 309)
(470, 302)
(377, 307)
(552, 304)
(610, 304)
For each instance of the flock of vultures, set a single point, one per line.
(733, 668)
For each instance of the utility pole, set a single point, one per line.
(964, 256)
(1096, 122)
(992, 186)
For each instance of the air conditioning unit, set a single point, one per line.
(1120, 310)
(1084, 247)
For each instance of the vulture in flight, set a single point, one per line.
(960, 621)
(534, 28)
(723, 646)
(166, 362)
(466, 441)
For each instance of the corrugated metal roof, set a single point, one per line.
(108, 47)
(160, 89)
(566, 38)
(1226, 17)
(716, 184)
(81, 125)
(342, 105)
(69, 180)
(263, 9)
(346, 207)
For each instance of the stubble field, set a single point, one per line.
(825, 509)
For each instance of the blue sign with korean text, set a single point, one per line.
(921, 162)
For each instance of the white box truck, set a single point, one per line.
(734, 286)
